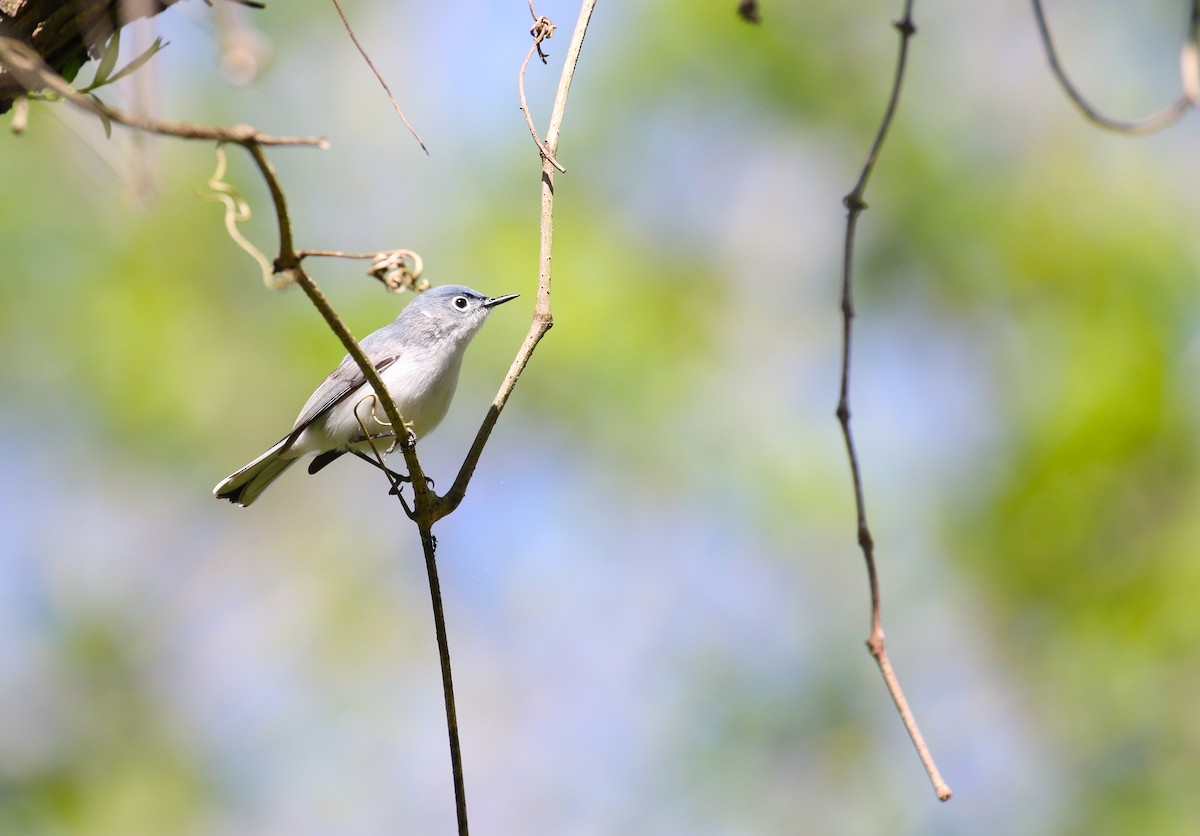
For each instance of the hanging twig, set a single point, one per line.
(371, 64)
(542, 30)
(855, 205)
(1172, 113)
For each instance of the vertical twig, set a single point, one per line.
(543, 319)
(855, 205)
(425, 501)
(428, 507)
(429, 549)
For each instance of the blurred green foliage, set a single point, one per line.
(694, 338)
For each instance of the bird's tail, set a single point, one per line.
(244, 486)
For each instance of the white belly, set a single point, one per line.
(421, 387)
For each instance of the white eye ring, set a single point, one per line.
(460, 302)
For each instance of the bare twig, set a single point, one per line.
(333, 254)
(288, 263)
(543, 319)
(29, 68)
(425, 501)
(429, 549)
(855, 205)
(426, 510)
(428, 507)
(1166, 117)
(371, 64)
(398, 270)
(542, 29)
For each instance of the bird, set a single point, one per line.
(418, 357)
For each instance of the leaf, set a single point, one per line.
(137, 63)
(108, 60)
(105, 75)
(103, 116)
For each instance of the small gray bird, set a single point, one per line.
(418, 357)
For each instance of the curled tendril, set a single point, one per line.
(237, 211)
(399, 270)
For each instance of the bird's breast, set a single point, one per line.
(423, 386)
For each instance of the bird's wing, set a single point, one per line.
(346, 379)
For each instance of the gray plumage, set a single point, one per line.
(418, 357)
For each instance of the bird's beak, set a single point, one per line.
(499, 300)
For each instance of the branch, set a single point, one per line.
(1172, 113)
(855, 205)
(66, 34)
(429, 549)
(398, 270)
(542, 30)
(29, 68)
(24, 63)
(289, 264)
(371, 64)
(543, 319)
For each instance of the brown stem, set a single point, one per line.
(429, 548)
(29, 68)
(543, 319)
(855, 205)
(1166, 117)
(379, 76)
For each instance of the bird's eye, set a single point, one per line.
(460, 302)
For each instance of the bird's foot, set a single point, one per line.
(402, 479)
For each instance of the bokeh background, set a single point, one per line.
(656, 604)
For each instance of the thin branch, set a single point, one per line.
(288, 263)
(32, 72)
(542, 30)
(425, 501)
(543, 319)
(1166, 117)
(29, 68)
(371, 64)
(855, 205)
(399, 270)
(429, 548)
(332, 254)
(428, 508)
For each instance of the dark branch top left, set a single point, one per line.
(66, 35)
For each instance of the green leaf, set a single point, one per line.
(103, 116)
(108, 60)
(137, 63)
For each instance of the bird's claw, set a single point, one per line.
(403, 479)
